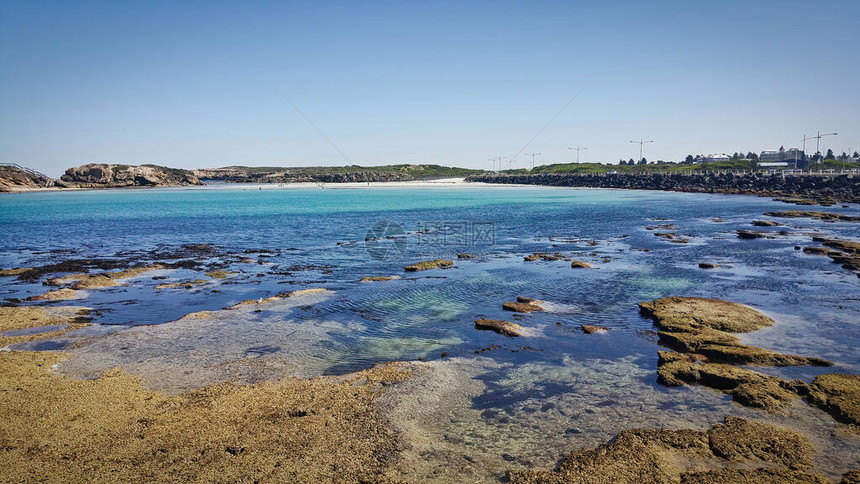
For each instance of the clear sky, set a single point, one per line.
(206, 84)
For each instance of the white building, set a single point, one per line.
(781, 154)
(714, 158)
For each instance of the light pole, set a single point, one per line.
(533, 154)
(640, 142)
(578, 149)
(817, 139)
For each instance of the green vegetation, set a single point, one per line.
(416, 171)
(178, 172)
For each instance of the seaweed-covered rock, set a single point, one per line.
(506, 328)
(546, 256)
(671, 456)
(379, 278)
(825, 216)
(429, 264)
(839, 395)
(755, 234)
(697, 312)
(578, 264)
(742, 439)
(591, 329)
(762, 475)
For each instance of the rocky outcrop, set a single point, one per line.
(842, 188)
(333, 174)
(14, 177)
(429, 264)
(771, 453)
(115, 176)
(506, 328)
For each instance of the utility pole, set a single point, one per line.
(640, 142)
(533, 154)
(578, 149)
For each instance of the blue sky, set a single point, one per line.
(206, 84)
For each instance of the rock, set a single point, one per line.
(838, 395)
(64, 294)
(671, 237)
(699, 329)
(591, 329)
(672, 456)
(739, 439)
(14, 272)
(578, 264)
(379, 278)
(708, 265)
(762, 475)
(14, 177)
(825, 216)
(102, 279)
(826, 189)
(430, 264)
(523, 305)
(506, 328)
(466, 256)
(843, 252)
(182, 284)
(546, 256)
(764, 223)
(851, 477)
(220, 274)
(755, 234)
(110, 176)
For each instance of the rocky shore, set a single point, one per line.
(116, 176)
(822, 189)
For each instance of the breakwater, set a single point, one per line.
(820, 188)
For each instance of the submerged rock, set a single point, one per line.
(546, 256)
(430, 264)
(708, 265)
(182, 284)
(466, 256)
(506, 328)
(671, 456)
(671, 237)
(379, 278)
(15, 271)
(102, 279)
(578, 264)
(765, 223)
(844, 252)
(591, 329)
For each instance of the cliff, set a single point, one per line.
(824, 188)
(113, 176)
(14, 177)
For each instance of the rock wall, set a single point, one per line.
(111, 176)
(834, 188)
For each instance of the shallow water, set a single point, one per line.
(531, 399)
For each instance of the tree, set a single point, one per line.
(688, 159)
(736, 156)
(856, 155)
(631, 162)
(752, 156)
(829, 155)
(643, 161)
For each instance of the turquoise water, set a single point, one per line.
(317, 238)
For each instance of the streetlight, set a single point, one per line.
(817, 139)
(533, 154)
(578, 149)
(640, 147)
